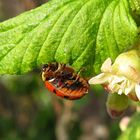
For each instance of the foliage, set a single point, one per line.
(133, 130)
(82, 33)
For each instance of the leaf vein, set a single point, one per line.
(71, 23)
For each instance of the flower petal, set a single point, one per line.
(137, 90)
(106, 66)
(117, 79)
(99, 79)
(120, 91)
(113, 88)
(129, 87)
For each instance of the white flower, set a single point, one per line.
(123, 77)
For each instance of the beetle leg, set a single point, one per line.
(69, 83)
(73, 79)
(60, 68)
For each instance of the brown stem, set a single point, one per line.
(64, 121)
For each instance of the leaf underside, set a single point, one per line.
(81, 33)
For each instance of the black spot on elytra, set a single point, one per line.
(54, 91)
(76, 85)
(66, 97)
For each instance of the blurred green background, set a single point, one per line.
(29, 112)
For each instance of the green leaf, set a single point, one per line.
(135, 6)
(135, 10)
(133, 130)
(82, 33)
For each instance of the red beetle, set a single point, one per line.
(63, 81)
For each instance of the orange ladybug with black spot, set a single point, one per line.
(63, 81)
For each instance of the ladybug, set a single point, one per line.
(63, 81)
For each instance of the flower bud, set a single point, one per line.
(128, 65)
(123, 77)
(116, 105)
